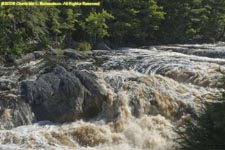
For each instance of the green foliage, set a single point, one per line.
(21, 26)
(121, 22)
(208, 132)
(68, 25)
(136, 21)
(84, 46)
(95, 25)
(70, 19)
(193, 21)
(54, 25)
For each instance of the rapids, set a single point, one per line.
(149, 93)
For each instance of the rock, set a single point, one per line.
(38, 54)
(6, 70)
(152, 48)
(59, 96)
(14, 112)
(210, 54)
(25, 59)
(103, 46)
(6, 84)
(124, 48)
(29, 57)
(85, 66)
(52, 51)
(96, 94)
(73, 54)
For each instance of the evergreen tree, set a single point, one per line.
(193, 20)
(96, 25)
(5, 18)
(214, 28)
(136, 20)
(55, 25)
(122, 22)
(68, 24)
(22, 26)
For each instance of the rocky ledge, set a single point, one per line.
(63, 86)
(51, 87)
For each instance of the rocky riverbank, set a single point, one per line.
(107, 98)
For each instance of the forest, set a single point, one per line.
(165, 91)
(119, 23)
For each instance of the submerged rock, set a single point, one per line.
(14, 112)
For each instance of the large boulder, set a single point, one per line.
(95, 94)
(61, 96)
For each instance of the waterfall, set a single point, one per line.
(149, 92)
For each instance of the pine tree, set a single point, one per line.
(23, 26)
(214, 28)
(55, 25)
(135, 21)
(96, 25)
(68, 24)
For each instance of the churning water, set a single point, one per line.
(150, 92)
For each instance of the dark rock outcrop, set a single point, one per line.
(73, 54)
(62, 96)
(95, 94)
(60, 86)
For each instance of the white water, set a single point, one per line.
(149, 94)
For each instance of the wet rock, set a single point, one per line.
(85, 66)
(205, 50)
(38, 54)
(6, 84)
(101, 52)
(29, 57)
(25, 59)
(14, 112)
(73, 54)
(6, 70)
(96, 94)
(52, 51)
(56, 95)
(61, 96)
(210, 54)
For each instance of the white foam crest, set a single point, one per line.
(197, 70)
(147, 132)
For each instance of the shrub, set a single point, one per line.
(84, 46)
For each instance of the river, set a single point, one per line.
(150, 92)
